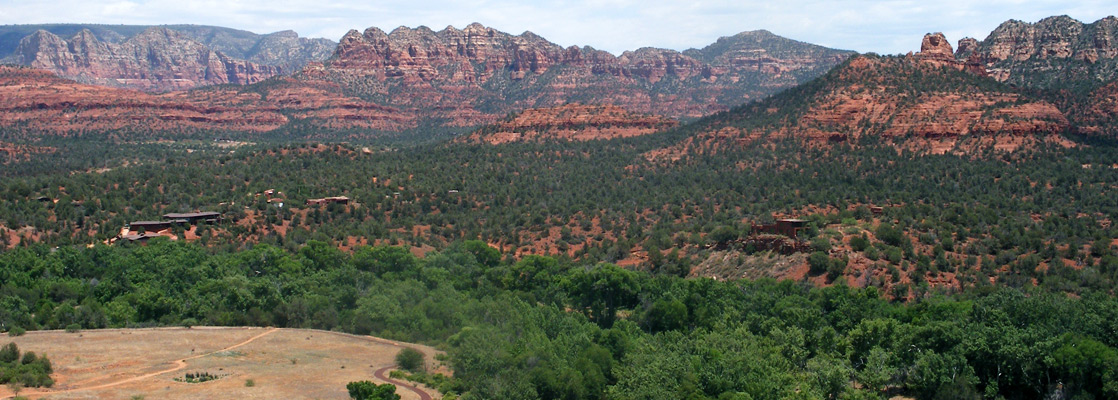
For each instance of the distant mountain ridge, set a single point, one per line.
(1051, 53)
(158, 58)
(477, 74)
(236, 43)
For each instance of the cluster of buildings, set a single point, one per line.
(141, 231)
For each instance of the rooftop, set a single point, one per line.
(204, 214)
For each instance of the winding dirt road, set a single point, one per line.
(179, 364)
(382, 374)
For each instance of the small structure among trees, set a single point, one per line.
(328, 200)
(789, 227)
(781, 236)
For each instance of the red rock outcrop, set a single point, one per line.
(158, 59)
(936, 50)
(967, 48)
(936, 44)
(572, 122)
(910, 101)
(878, 104)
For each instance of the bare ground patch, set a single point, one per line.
(282, 363)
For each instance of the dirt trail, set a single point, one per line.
(179, 364)
(382, 375)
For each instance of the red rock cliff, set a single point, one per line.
(158, 59)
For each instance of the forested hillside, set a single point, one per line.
(1028, 218)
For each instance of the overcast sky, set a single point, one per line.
(887, 27)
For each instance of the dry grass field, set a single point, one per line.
(252, 363)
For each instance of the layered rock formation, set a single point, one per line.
(35, 102)
(477, 74)
(158, 59)
(1054, 52)
(570, 122)
(161, 58)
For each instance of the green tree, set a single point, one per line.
(411, 360)
(878, 371)
(602, 290)
(483, 253)
(9, 353)
(666, 315)
(832, 375)
(384, 259)
(819, 262)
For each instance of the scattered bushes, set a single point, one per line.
(199, 377)
(366, 390)
(29, 370)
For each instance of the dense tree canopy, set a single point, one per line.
(569, 330)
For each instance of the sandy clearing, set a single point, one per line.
(282, 363)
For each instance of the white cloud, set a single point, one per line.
(890, 26)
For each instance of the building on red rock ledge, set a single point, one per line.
(780, 236)
(788, 227)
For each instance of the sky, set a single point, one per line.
(884, 27)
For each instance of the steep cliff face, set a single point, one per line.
(477, 74)
(1054, 52)
(570, 122)
(157, 59)
(170, 57)
(284, 49)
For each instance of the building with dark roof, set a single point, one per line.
(194, 217)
